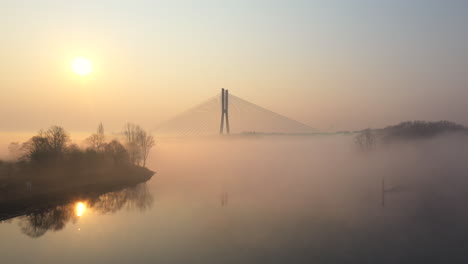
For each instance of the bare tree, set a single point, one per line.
(131, 132)
(57, 138)
(97, 141)
(138, 143)
(146, 142)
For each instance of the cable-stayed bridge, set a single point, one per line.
(227, 113)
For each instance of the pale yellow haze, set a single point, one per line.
(331, 64)
(82, 66)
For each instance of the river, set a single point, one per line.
(264, 200)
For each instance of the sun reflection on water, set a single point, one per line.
(80, 208)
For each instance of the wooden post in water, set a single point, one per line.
(383, 191)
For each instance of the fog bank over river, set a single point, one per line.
(277, 199)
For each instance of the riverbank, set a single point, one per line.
(25, 201)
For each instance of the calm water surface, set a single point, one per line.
(256, 201)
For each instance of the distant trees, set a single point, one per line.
(138, 142)
(420, 130)
(411, 130)
(366, 139)
(97, 141)
(14, 150)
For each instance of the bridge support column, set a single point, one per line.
(224, 111)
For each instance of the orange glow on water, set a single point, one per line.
(80, 208)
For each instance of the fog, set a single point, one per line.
(278, 199)
(320, 198)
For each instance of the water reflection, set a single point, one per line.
(80, 208)
(37, 224)
(138, 197)
(55, 218)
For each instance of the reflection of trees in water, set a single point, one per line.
(137, 197)
(38, 223)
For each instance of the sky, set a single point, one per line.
(334, 65)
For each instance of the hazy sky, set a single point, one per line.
(331, 64)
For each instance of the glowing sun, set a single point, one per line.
(82, 66)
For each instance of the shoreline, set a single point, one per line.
(47, 198)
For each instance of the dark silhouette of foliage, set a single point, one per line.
(46, 145)
(419, 130)
(54, 144)
(117, 152)
(49, 158)
(410, 130)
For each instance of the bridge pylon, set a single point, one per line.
(224, 111)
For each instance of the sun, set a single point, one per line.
(81, 66)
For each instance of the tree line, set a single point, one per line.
(55, 142)
(411, 130)
(51, 153)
